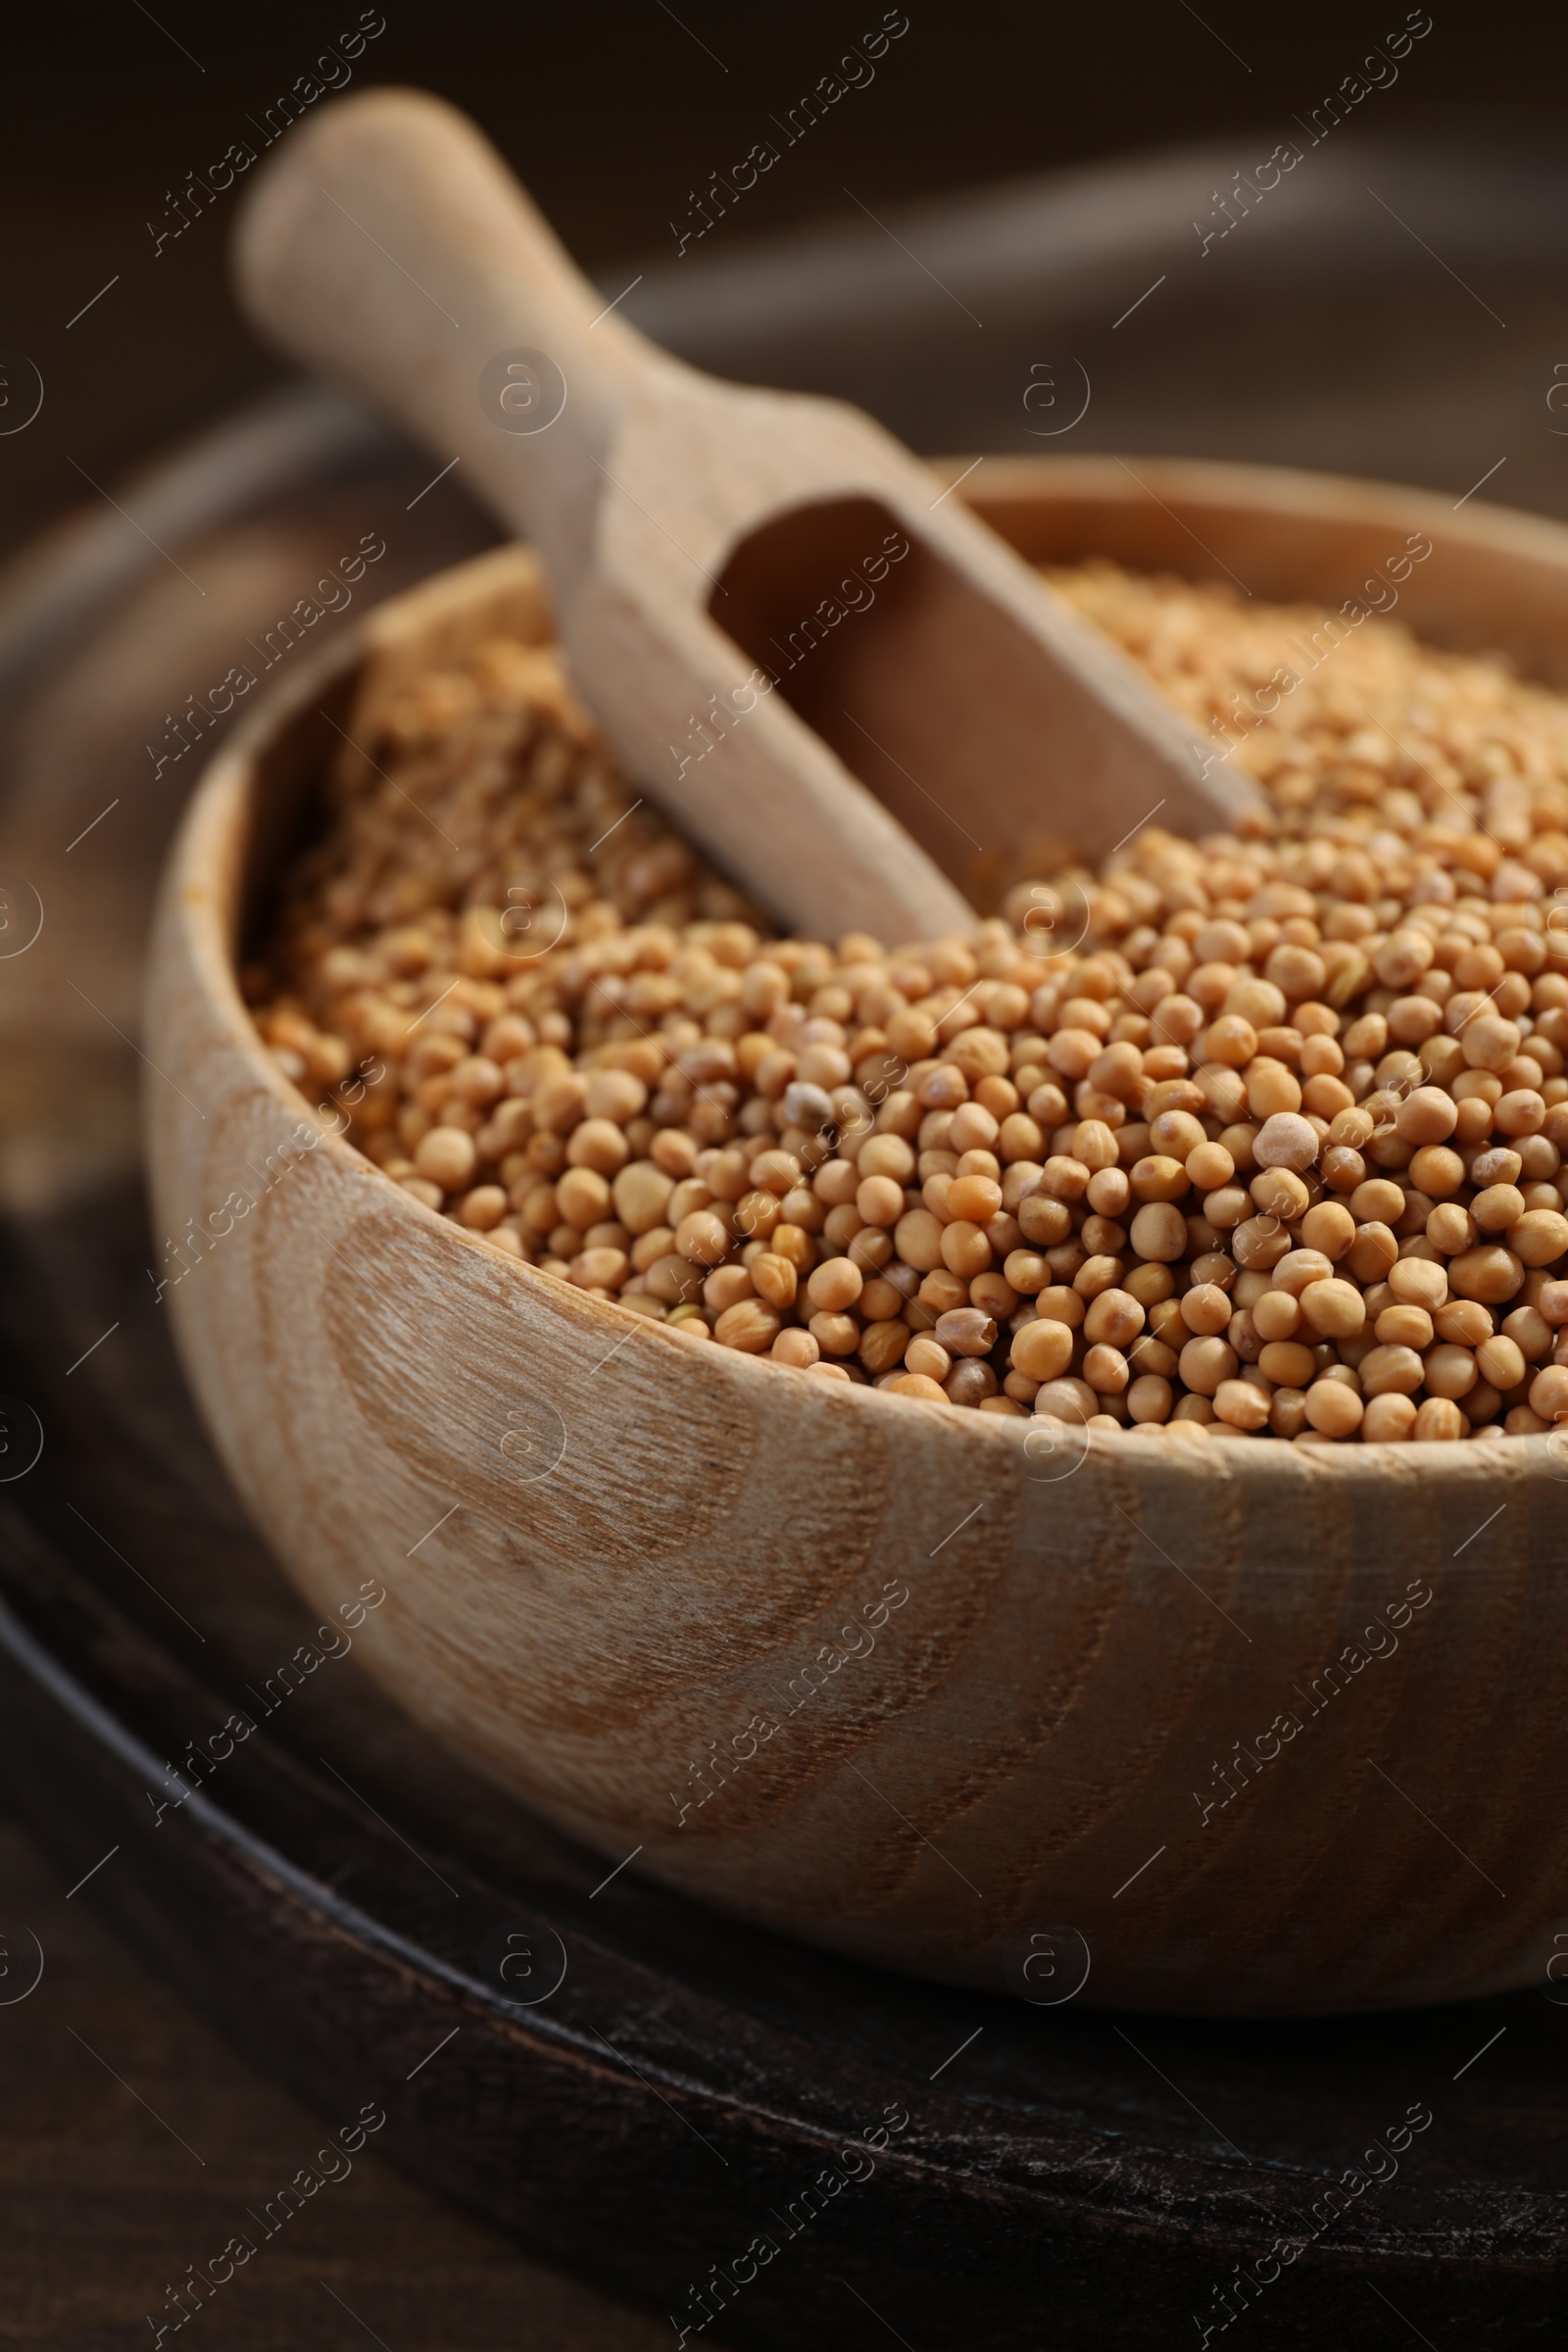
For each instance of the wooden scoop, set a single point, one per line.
(842, 684)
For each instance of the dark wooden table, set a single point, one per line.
(136, 2141)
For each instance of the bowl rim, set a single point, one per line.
(209, 861)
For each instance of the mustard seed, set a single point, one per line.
(583, 1198)
(834, 1333)
(1206, 1362)
(1387, 1420)
(1422, 1282)
(1150, 1398)
(1210, 1166)
(1538, 1238)
(726, 1286)
(1333, 1309)
(1205, 1309)
(1488, 1274)
(1500, 1361)
(1333, 1409)
(447, 1157)
(749, 1325)
(1066, 1400)
(1241, 1404)
(483, 1209)
(1429, 1115)
(1328, 1229)
(1286, 1125)
(969, 1384)
(1277, 1315)
(704, 1237)
(966, 1250)
(1042, 1351)
(1391, 1369)
(795, 1347)
(1404, 1327)
(926, 1354)
(1158, 1231)
(834, 1286)
(1450, 1370)
(1286, 1363)
(966, 1331)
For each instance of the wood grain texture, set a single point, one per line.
(700, 537)
(640, 1547)
(105, 2208)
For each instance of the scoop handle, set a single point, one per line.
(388, 248)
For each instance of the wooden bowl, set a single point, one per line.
(1246, 1729)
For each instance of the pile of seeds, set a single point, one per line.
(1251, 1138)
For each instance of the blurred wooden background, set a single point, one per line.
(615, 116)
